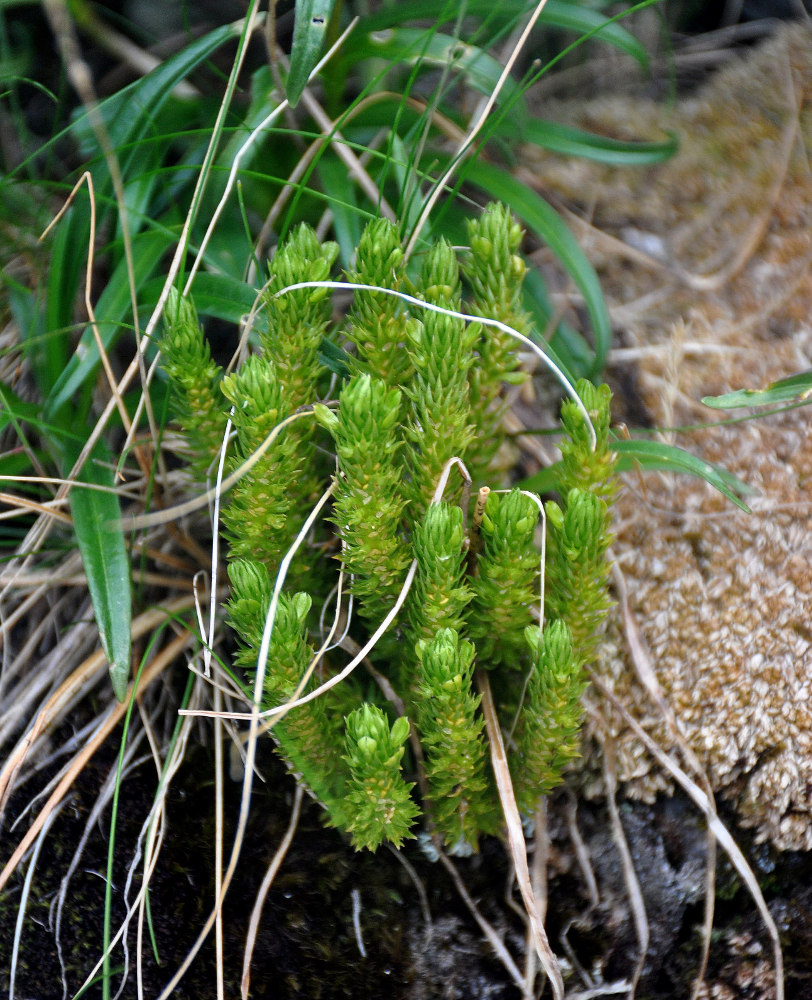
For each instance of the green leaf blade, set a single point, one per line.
(669, 458)
(112, 313)
(791, 389)
(309, 31)
(107, 566)
(568, 141)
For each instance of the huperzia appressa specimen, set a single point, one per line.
(579, 535)
(450, 727)
(441, 425)
(546, 735)
(495, 272)
(297, 321)
(377, 322)
(506, 586)
(309, 737)
(441, 593)
(195, 379)
(370, 496)
(581, 466)
(378, 801)
(423, 388)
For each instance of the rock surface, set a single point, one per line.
(705, 262)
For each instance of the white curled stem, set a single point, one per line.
(468, 318)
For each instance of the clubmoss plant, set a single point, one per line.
(376, 324)
(450, 726)
(423, 399)
(441, 351)
(195, 379)
(579, 534)
(310, 737)
(507, 582)
(370, 498)
(546, 735)
(440, 593)
(378, 802)
(495, 271)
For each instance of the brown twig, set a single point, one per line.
(515, 835)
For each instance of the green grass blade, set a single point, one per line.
(669, 458)
(68, 260)
(105, 560)
(547, 224)
(130, 112)
(217, 295)
(794, 387)
(13, 409)
(340, 191)
(405, 46)
(43, 345)
(566, 347)
(582, 21)
(112, 311)
(309, 31)
(568, 141)
(558, 13)
(637, 454)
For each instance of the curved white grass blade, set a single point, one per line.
(466, 317)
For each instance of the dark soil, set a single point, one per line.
(307, 945)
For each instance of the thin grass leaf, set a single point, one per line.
(130, 112)
(18, 463)
(580, 20)
(309, 31)
(568, 141)
(217, 295)
(130, 117)
(669, 458)
(13, 409)
(29, 316)
(405, 46)
(566, 347)
(334, 358)
(112, 311)
(547, 224)
(16, 411)
(341, 193)
(68, 256)
(637, 454)
(793, 388)
(104, 557)
(558, 13)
